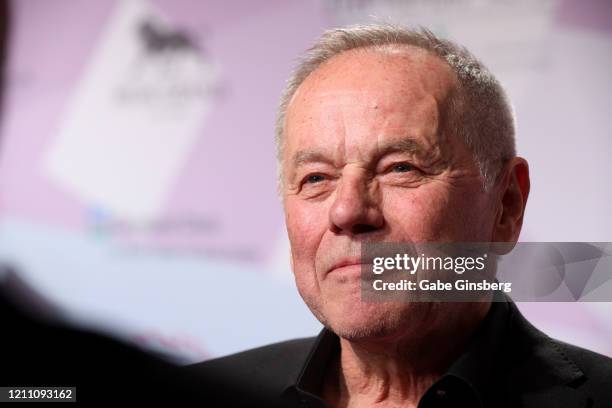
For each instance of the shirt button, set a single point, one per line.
(441, 393)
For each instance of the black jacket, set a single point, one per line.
(509, 364)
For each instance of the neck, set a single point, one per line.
(398, 370)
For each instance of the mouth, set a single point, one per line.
(348, 267)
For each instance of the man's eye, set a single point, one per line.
(314, 178)
(401, 168)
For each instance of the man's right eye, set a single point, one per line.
(314, 178)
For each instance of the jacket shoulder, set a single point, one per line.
(596, 367)
(262, 370)
(559, 371)
(590, 363)
(264, 355)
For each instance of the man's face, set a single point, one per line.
(366, 158)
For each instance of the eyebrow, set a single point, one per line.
(303, 157)
(406, 145)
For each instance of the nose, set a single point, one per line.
(355, 210)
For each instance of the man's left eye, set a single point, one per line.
(402, 168)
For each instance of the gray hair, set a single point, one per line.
(480, 112)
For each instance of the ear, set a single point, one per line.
(513, 192)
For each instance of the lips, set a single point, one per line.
(345, 265)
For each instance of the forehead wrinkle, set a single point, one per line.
(330, 91)
(421, 141)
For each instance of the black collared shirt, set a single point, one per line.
(467, 383)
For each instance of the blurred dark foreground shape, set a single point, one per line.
(39, 349)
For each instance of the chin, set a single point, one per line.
(344, 313)
(369, 320)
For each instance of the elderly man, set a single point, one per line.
(391, 135)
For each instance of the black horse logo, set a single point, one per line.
(157, 40)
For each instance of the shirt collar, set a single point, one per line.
(325, 349)
(469, 378)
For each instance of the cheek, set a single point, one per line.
(416, 214)
(306, 224)
(434, 213)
